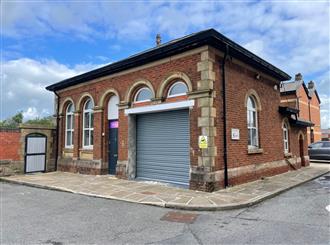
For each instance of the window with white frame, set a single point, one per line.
(177, 89)
(88, 127)
(286, 137)
(143, 95)
(69, 126)
(252, 123)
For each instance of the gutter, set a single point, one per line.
(225, 157)
(57, 127)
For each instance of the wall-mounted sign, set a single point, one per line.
(202, 142)
(235, 134)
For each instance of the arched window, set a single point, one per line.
(252, 123)
(143, 95)
(177, 89)
(88, 127)
(69, 126)
(286, 137)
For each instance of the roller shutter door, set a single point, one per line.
(163, 143)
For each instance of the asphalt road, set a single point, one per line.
(37, 216)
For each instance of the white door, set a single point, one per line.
(35, 153)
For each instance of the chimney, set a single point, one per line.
(158, 39)
(298, 77)
(311, 85)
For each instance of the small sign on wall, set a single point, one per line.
(202, 142)
(235, 134)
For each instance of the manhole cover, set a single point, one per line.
(179, 217)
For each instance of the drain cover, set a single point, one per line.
(179, 217)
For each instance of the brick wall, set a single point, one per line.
(122, 83)
(203, 69)
(10, 144)
(12, 148)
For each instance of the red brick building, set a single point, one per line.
(199, 111)
(307, 101)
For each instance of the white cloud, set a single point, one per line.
(23, 85)
(293, 35)
(31, 113)
(325, 111)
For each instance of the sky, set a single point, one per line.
(43, 42)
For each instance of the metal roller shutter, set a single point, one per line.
(163, 143)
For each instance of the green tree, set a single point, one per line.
(47, 121)
(12, 122)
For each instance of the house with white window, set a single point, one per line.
(200, 111)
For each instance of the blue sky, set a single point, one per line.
(47, 41)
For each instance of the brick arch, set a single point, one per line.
(65, 103)
(82, 99)
(286, 120)
(136, 85)
(167, 81)
(106, 94)
(300, 133)
(255, 96)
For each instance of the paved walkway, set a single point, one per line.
(167, 196)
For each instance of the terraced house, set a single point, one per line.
(199, 111)
(305, 99)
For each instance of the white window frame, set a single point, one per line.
(90, 129)
(139, 91)
(254, 110)
(286, 138)
(71, 114)
(175, 95)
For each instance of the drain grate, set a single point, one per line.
(180, 217)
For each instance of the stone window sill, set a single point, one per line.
(88, 150)
(68, 150)
(288, 155)
(255, 151)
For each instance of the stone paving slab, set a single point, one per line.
(152, 193)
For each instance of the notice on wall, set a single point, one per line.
(235, 134)
(202, 142)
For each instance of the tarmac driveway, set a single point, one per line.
(37, 216)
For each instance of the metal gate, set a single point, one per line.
(35, 153)
(163, 143)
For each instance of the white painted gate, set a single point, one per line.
(35, 153)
